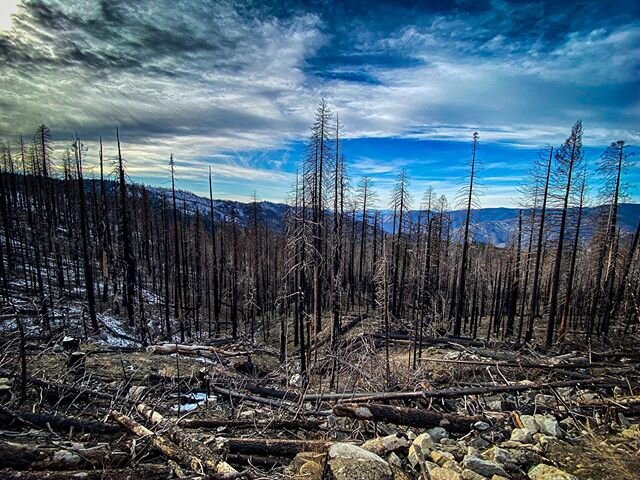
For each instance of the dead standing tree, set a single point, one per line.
(462, 281)
(125, 239)
(568, 160)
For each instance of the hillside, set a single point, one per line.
(495, 226)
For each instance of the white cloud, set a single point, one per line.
(234, 84)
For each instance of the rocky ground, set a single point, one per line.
(541, 449)
(105, 407)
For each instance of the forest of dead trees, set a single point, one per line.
(174, 271)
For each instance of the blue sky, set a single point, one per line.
(234, 84)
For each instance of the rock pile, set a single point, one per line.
(434, 454)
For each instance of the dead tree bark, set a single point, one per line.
(129, 260)
(460, 301)
(413, 417)
(211, 463)
(84, 234)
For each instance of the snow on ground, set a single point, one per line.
(114, 335)
(192, 401)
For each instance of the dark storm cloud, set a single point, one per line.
(111, 37)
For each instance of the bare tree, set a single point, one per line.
(462, 282)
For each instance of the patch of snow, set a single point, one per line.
(114, 335)
(195, 400)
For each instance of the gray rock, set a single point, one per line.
(542, 439)
(484, 467)
(624, 421)
(453, 465)
(548, 425)
(390, 443)
(494, 402)
(437, 434)
(420, 448)
(481, 426)
(349, 462)
(511, 460)
(479, 443)
(440, 457)
(471, 475)
(499, 455)
(394, 460)
(442, 473)
(530, 423)
(296, 380)
(522, 435)
(5, 385)
(547, 472)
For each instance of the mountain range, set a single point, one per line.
(497, 226)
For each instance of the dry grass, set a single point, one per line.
(600, 457)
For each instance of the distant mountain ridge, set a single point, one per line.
(497, 225)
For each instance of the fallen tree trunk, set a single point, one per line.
(343, 330)
(406, 338)
(272, 392)
(61, 390)
(487, 389)
(516, 364)
(258, 424)
(63, 456)
(413, 417)
(271, 446)
(282, 404)
(168, 448)
(180, 438)
(169, 348)
(54, 422)
(620, 403)
(146, 472)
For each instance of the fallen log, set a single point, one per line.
(616, 354)
(406, 338)
(63, 456)
(330, 397)
(515, 364)
(169, 348)
(275, 424)
(381, 446)
(272, 392)
(282, 404)
(146, 472)
(63, 390)
(616, 403)
(266, 462)
(343, 330)
(211, 463)
(487, 389)
(168, 448)
(9, 418)
(271, 446)
(413, 417)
